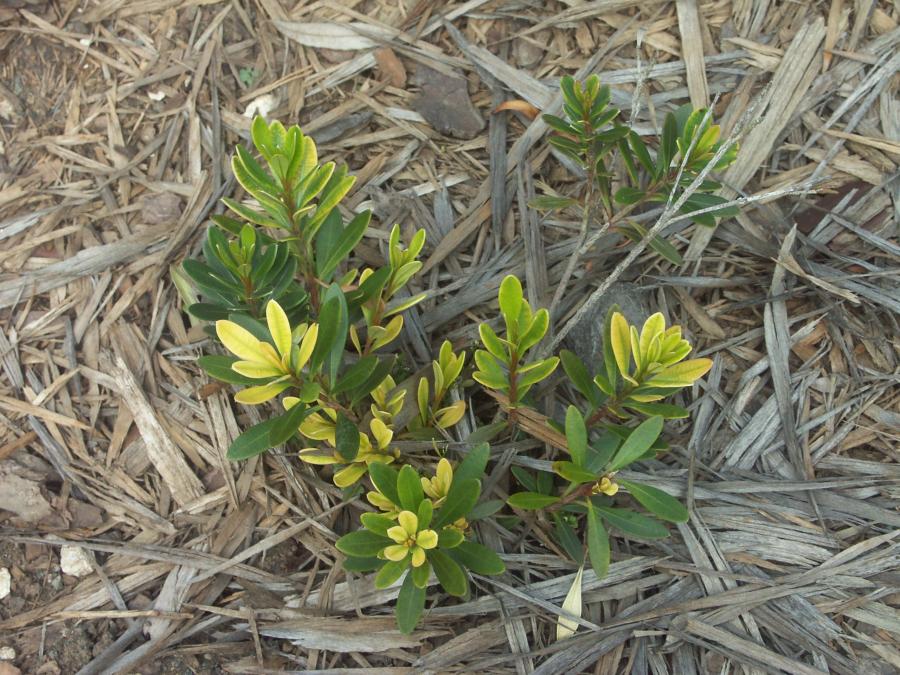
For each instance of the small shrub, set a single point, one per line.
(310, 334)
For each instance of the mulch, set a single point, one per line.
(117, 120)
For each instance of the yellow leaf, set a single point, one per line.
(447, 417)
(621, 342)
(653, 327)
(349, 475)
(315, 456)
(572, 604)
(279, 327)
(382, 434)
(681, 374)
(262, 393)
(388, 333)
(636, 350)
(255, 369)
(240, 341)
(307, 344)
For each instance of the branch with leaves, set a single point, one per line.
(310, 337)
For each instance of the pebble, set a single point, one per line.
(7, 653)
(5, 582)
(75, 562)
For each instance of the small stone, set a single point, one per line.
(75, 562)
(161, 208)
(7, 653)
(586, 336)
(445, 104)
(529, 52)
(5, 582)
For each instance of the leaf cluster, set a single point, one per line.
(422, 529)
(502, 364)
(311, 335)
(625, 173)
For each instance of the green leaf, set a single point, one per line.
(576, 435)
(629, 195)
(668, 145)
(568, 539)
(219, 367)
(637, 233)
(410, 604)
(362, 543)
(355, 375)
(367, 564)
(537, 371)
(409, 488)
(573, 473)
(449, 537)
(493, 343)
(389, 574)
(252, 442)
(474, 464)
(657, 502)
(510, 297)
(530, 501)
(580, 377)
(638, 442)
(346, 437)
(489, 372)
(376, 377)
(664, 410)
(535, 332)
(601, 451)
(461, 498)
(480, 559)
(385, 479)
(525, 478)
(420, 574)
(557, 124)
(333, 326)
(486, 433)
(377, 523)
(206, 311)
(598, 543)
(641, 152)
(485, 509)
(633, 524)
(286, 425)
(551, 203)
(425, 513)
(449, 573)
(349, 238)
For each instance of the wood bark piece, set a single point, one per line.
(692, 52)
(161, 450)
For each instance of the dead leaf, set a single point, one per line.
(391, 67)
(520, 106)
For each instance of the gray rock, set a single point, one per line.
(444, 102)
(586, 336)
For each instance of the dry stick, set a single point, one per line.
(664, 219)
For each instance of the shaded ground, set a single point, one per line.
(116, 124)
